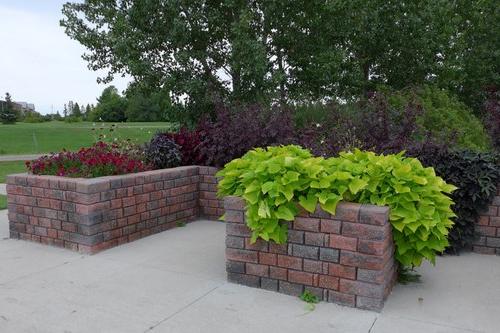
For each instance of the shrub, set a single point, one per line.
(162, 152)
(99, 160)
(492, 115)
(274, 181)
(189, 143)
(233, 133)
(476, 176)
(445, 117)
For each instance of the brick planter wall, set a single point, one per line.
(488, 228)
(345, 259)
(89, 215)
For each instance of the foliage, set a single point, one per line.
(234, 132)
(275, 180)
(492, 115)
(310, 299)
(110, 107)
(162, 152)
(445, 117)
(289, 51)
(34, 117)
(476, 176)
(408, 275)
(8, 114)
(145, 107)
(99, 160)
(391, 121)
(189, 143)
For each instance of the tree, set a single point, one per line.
(202, 52)
(8, 114)
(110, 107)
(76, 112)
(65, 111)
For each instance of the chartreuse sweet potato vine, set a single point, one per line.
(276, 180)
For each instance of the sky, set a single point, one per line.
(38, 63)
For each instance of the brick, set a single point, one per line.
(290, 262)
(313, 266)
(359, 288)
(486, 231)
(342, 271)
(374, 247)
(300, 277)
(306, 224)
(376, 215)
(288, 288)
(277, 248)
(330, 226)
(296, 236)
(328, 282)
(373, 276)
(361, 260)
(235, 267)
(278, 273)
(234, 216)
(246, 280)
(491, 211)
(343, 242)
(242, 255)
(304, 251)
(327, 254)
(268, 258)
(347, 211)
(236, 229)
(341, 298)
(484, 220)
(494, 221)
(483, 250)
(257, 269)
(235, 242)
(364, 231)
(259, 245)
(314, 238)
(493, 242)
(369, 303)
(269, 284)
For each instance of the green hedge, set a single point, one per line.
(275, 181)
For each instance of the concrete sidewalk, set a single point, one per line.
(175, 282)
(25, 157)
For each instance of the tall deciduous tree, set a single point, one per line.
(110, 107)
(204, 51)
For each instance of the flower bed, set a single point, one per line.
(346, 258)
(89, 215)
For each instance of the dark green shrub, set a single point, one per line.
(162, 152)
(476, 176)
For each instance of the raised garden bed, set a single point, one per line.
(488, 228)
(346, 258)
(90, 215)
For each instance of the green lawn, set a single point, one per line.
(6, 168)
(25, 138)
(3, 201)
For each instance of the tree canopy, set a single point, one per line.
(202, 52)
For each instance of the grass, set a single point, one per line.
(26, 138)
(6, 168)
(3, 201)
